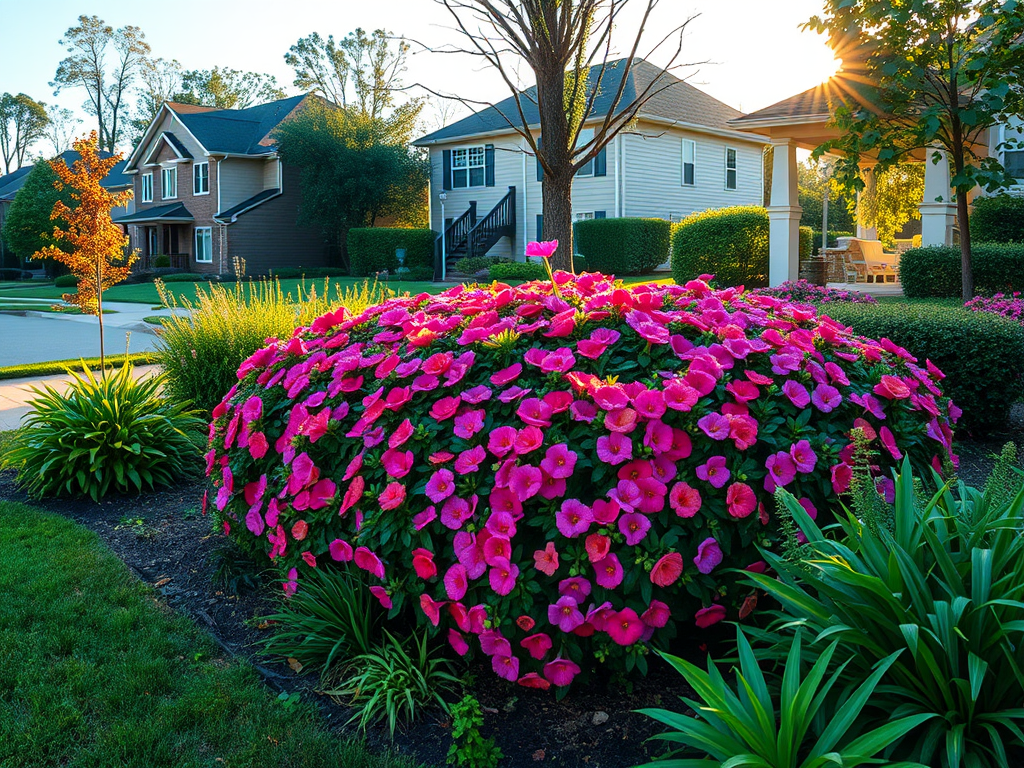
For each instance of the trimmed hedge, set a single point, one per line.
(472, 265)
(66, 281)
(162, 260)
(624, 246)
(729, 243)
(517, 270)
(982, 355)
(806, 242)
(372, 249)
(934, 272)
(998, 219)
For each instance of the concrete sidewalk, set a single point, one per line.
(15, 394)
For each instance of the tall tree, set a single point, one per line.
(361, 71)
(61, 129)
(568, 45)
(159, 82)
(226, 88)
(813, 179)
(106, 63)
(22, 122)
(943, 73)
(91, 245)
(892, 198)
(27, 226)
(354, 171)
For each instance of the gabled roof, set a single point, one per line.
(237, 131)
(169, 212)
(815, 103)
(246, 205)
(12, 182)
(173, 142)
(675, 101)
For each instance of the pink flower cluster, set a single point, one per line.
(551, 476)
(806, 292)
(1011, 307)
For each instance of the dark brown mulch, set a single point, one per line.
(172, 549)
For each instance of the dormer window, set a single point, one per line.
(169, 179)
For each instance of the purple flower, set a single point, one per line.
(565, 614)
(614, 449)
(574, 518)
(715, 426)
(796, 393)
(634, 526)
(709, 556)
(826, 398)
(781, 468)
(714, 471)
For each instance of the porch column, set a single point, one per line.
(867, 174)
(938, 211)
(784, 215)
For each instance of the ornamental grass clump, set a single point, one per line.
(552, 480)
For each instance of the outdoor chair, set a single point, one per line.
(861, 261)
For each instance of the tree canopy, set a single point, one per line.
(23, 120)
(226, 88)
(813, 177)
(27, 226)
(891, 199)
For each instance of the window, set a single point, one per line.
(147, 187)
(730, 168)
(586, 216)
(1013, 162)
(468, 167)
(201, 179)
(689, 161)
(204, 245)
(170, 182)
(586, 136)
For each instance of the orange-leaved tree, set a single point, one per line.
(96, 248)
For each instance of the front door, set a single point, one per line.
(153, 246)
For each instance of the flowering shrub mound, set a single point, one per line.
(551, 478)
(1010, 307)
(807, 292)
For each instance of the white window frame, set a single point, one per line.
(475, 157)
(587, 170)
(146, 195)
(207, 233)
(195, 178)
(692, 162)
(583, 216)
(734, 169)
(165, 174)
(1014, 152)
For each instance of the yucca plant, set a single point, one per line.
(106, 433)
(809, 722)
(328, 622)
(939, 586)
(395, 682)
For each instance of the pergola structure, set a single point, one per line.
(804, 121)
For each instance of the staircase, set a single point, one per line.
(468, 236)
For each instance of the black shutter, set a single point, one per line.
(540, 168)
(540, 226)
(601, 162)
(446, 170)
(489, 165)
(600, 214)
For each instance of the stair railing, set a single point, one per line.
(454, 236)
(500, 221)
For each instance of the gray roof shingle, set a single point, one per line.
(675, 100)
(238, 131)
(14, 181)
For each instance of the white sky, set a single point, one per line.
(756, 53)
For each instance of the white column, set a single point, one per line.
(938, 211)
(784, 215)
(867, 174)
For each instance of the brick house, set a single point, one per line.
(210, 187)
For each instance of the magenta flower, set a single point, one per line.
(826, 398)
(506, 667)
(455, 582)
(469, 460)
(610, 398)
(624, 627)
(634, 526)
(715, 426)
(455, 512)
(714, 471)
(561, 672)
(423, 563)
(656, 615)
(781, 468)
(424, 518)
(559, 461)
(393, 496)
(396, 463)
(440, 486)
(506, 375)
(528, 439)
(614, 449)
(340, 550)
(886, 436)
(684, 499)
(431, 608)
(565, 614)
(536, 645)
(502, 576)
(709, 556)
(382, 596)
(650, 404)
(369, 562)
(573, 518)
(525, 481)
(544, 249)
(469, 423)
(501, 441)
(535, 411)
(803, 457)
(740, 500)
(458, 642)
(608, 571)
(709, 616)
(796, 393)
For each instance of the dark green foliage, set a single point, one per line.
(416, 274)
(372, 249)
(833, 239)
(14, 272)
(97, 673)
(296, 273)
(469, 748)
(982, 355)
(729, 243)
(806, 241)
(234, 570)
(108, 434)
(517, 270)
(798, 721)
(998, 219)
(935, 596)
(65, 281)
(623, 246)
(935, 271)
(470, 266)
(28, 226)
(163, 260)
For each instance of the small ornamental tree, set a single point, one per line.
(557, 476)
(98, 254)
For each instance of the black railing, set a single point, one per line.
(455, 237)
(501, 221)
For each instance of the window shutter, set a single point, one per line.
(540, 168)
(601, 162)
(489, 165)
(540, 226)
(600, 214)
(446, 171)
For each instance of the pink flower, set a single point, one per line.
(573, 518)
(369, 562)
(650, 404)
(396, 463)
(715, 426)
(743, 391)
(536, 645)
(565, 614)
(431, 608)
(709, 556)
(826, 398)
(709, 616)
(803, 457)
(597, 546)
(455, 582)
(469, 423)
(624, 627)
(501, 441)
(535, 411)
(559, 461)
(684, 500)
(634, 526)
(506, 667)
(455, 512)
(458, 642)
(258, 445)
(393, 496)
(781, 469)
(382, 595)
(577, 588)
(667, 570)
(608, 572)
(841, 475)
(424, 518)
(890, 443)
(340, 550)
(423, 563)
(502, 576)
(892, 387)
(740, 499)
(528, 439)
(796, 393)
(656, 615)
(533, 680)
(546, 559)
(614, 449)
(525, 481)
(440, 486)
(506, 375)
(470, 460)
(714, 471)
(544, 249)
(561, 672)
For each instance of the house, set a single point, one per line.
(210, 187)
(116, 181)
(681, 156)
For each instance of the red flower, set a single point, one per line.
(597, 547)
(423, 563)
(667, 570)
(711, 615)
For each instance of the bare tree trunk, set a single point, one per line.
(964, 222)
(99, 309)
(558, 218)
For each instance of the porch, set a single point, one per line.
(162, 231)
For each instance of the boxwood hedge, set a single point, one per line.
(998, 219)
(372, 249)
(729, 243)
(624, 246)
(935, 271)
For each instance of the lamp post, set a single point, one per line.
(444, 236)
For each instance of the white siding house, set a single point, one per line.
(679, 157)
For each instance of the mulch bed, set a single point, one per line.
(593, 727)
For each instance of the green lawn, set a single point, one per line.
(95, 672)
